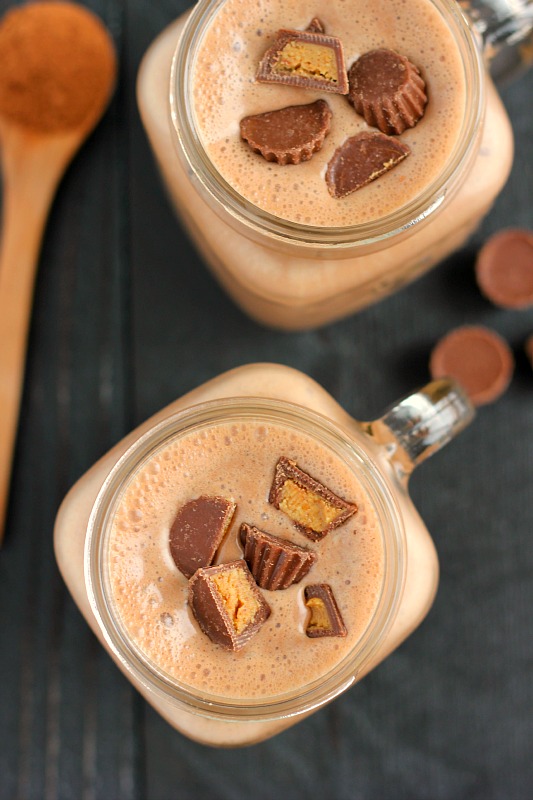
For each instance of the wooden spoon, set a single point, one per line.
(33, 162)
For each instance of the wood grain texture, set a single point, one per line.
(125, 319)
(31, 166)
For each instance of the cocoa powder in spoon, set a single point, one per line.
(57, 66)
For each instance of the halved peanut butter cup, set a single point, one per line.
(288, 135)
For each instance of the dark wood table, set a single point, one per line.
(126, 318)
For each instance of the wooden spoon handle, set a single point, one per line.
(31, 169)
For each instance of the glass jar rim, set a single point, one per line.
(194, 418)
(229, 201)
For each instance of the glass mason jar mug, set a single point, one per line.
(288, 273)
(112, 546)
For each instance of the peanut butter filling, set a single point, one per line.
(239, 601)
(307, 508)
(319, 614)
(308, 60)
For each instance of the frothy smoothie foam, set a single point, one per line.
(226, 90)
(237, 461)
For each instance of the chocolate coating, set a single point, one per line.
(478, 358)
(275, 563)
(197, 532)
(387, 90)
(361, 159)
(504, 269)
(289, 135)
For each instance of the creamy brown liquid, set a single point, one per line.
(225, 90)
(237, 461)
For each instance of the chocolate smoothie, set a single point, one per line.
(226, 90)
(363, 572)
(237, 461)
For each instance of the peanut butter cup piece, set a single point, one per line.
(289, 135)
(361, 159)
(227, 604)
(274, 562)
(197, 532)
(387, 90)
(316, 26)
(325, 618)
(504, 269)
(305, 59)
(313, 508)
(478, 358)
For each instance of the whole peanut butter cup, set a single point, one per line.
(387, 90)
(274, 562)
(306, 59)
(361, 159)
(288, 135)
(504, 269)
(478, 358)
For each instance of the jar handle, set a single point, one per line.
(421, 423)
(505, 28)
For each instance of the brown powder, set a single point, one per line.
(57, 66)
